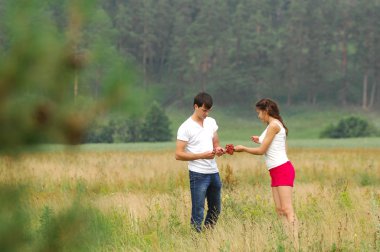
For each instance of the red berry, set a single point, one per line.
(230, 149)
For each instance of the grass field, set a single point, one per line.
(303, 122)
(373, 142)
(136, 198)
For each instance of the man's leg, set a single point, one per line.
(213, 200)
(198, 185)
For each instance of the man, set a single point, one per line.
(198, 143)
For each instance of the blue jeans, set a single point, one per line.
(205, 186)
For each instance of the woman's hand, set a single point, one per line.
(255, 139)
(239, 148)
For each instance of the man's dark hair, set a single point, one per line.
(203, 99)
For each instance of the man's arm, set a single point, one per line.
(215, 142)
(181, 154)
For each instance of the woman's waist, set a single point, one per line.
(275, 159)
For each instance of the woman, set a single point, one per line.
(273, 146)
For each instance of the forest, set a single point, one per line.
(295, 51)
(89, 71)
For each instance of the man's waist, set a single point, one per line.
(203, 165)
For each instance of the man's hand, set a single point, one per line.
(219, 151)
(209, 154)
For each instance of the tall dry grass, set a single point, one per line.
(145, 201)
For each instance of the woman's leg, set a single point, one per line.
(285, 198)
(277, 203)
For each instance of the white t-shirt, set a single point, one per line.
(199, 139)
(276, 153)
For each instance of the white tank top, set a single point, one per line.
(276, 153)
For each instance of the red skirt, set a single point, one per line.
(282, 175)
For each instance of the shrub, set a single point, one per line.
(99, 132)
(133, 130)
(116, 130)
(156, 126)
(126, 130)
(349, 127)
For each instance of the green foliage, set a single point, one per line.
(133, 130)
(345, 199)
(240, 50)
(366, 179)
(156, 126)
(114, 130)
(343, 196)
(77, 228)
(101, 131)
(349, 127)
(237, 50)
(51, 66)
(69, 230)
(14, 219)
(54, 79)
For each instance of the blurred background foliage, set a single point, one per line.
(153, 127)
(67, 65)
(295, 51)
(59, 69)
(350, 127)
(77, 228)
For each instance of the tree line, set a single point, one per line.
(295, 51)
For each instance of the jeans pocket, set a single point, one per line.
(194, 176)
(199, 181)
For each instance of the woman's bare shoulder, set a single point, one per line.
(275, 125)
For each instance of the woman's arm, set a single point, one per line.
(273, 129)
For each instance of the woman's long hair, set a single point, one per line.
(272, 109)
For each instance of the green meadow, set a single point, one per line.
(303, 122)
(135, 196)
